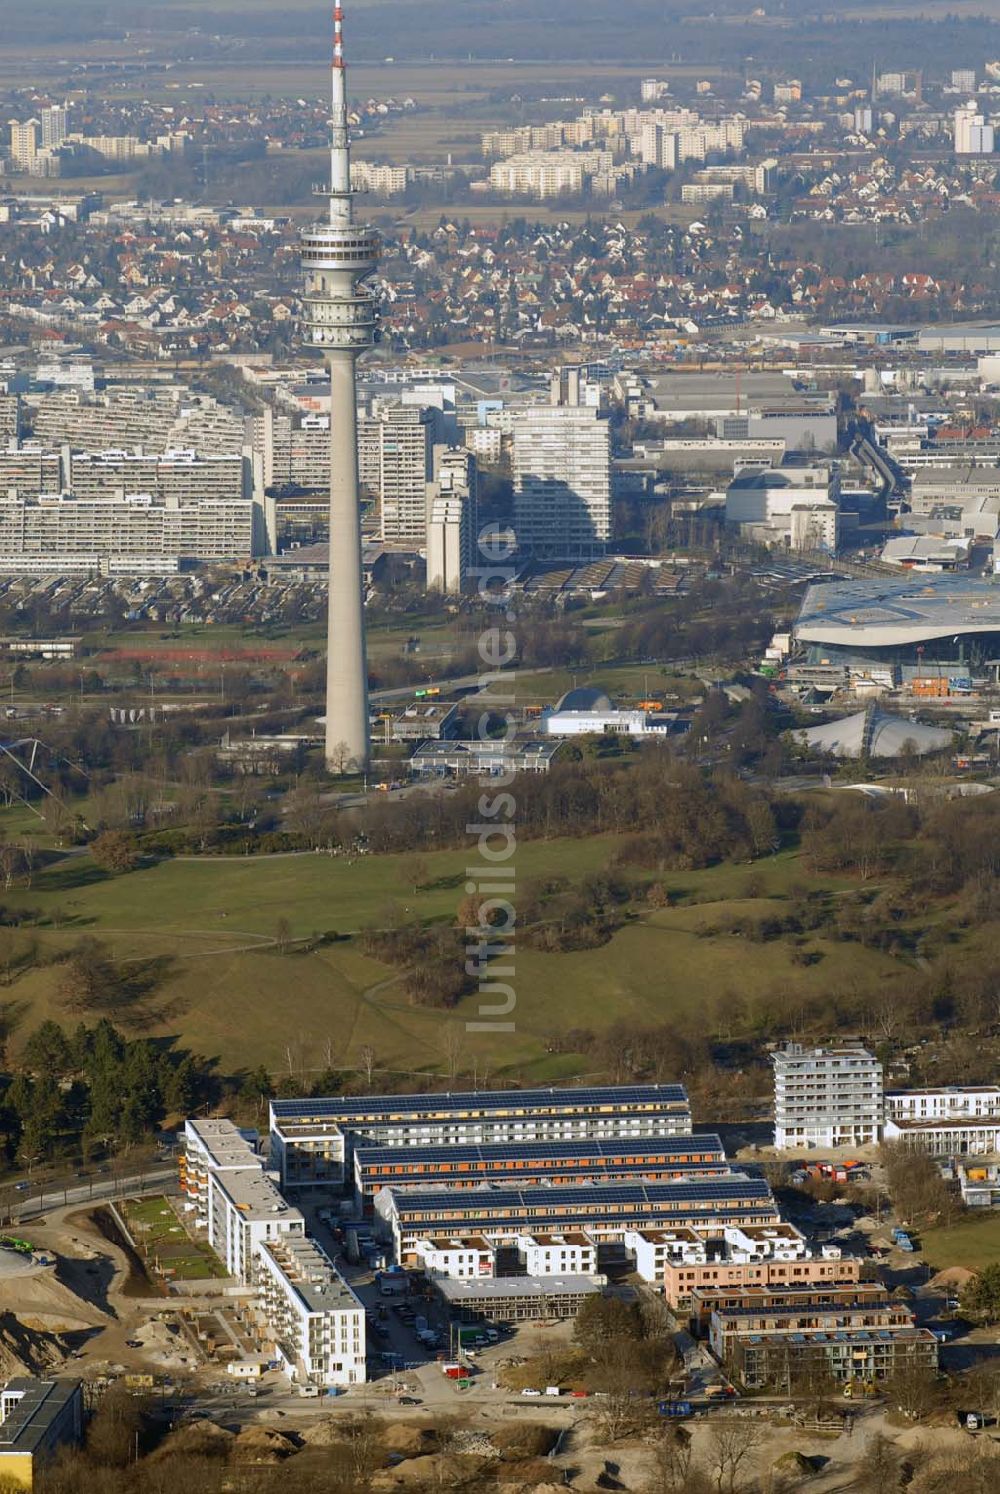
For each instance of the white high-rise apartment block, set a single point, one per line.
(237, 1203)
(394, 460)
(316, 1321)
(826, 1097)
(55, 126)
(973, 136)
(448, 544)
(451, 519)
(24, 143)
(562, 482)
(539, 174)
(658, 145)
(964, 79)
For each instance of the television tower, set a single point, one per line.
(340, 319)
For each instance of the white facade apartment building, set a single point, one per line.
(54, 125)
(118, 527)
(394, 463)
(234, 1200)
(973, 136)
(572, 1254)
(954, 1121)
(466, 1258)
(314, 1318)
(180, 475)
(381, 179)
(449, 544)
(545, 173)
(24, 143)
(451, 520)
(826, 1097)
(562, 483)
(654, 1249)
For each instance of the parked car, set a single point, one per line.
(531, 1392)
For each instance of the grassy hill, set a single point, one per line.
(230, 993)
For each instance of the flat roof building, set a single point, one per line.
(517, 1299)
(938, 624)
(826, 1097)
(313, 1140)
(606, 1212)
(827, 1294)
(234, 1200)
(591, 1159)
(316, 1321)
(37, 1417)
(865, 1355)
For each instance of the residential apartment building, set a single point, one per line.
(232, 1198)
(313, 1140)
(951, 1102)
(462, 1257)
(826, 1097)
(24, 144)
(500, 1215)
(315, 1320)
(54, 125)
(562, 482)
(452, 519)
(106, 529)
(540, 174)
(847, 1289)
(178, 477)
(953, 1121)
(394, 464)
(973, 136)
(531, 1164)
(861, 1346)
(449, 545)
(29, 470)
(571, 1254)
(682, 1277)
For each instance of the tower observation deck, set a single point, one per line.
(340, 317)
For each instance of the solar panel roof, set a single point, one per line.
(735, 1186)
(492, 1099)
(541, 1151)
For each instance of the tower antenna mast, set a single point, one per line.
(339, 315)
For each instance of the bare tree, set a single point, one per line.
(453, 1046)
(732, 1442)
(340, 759)
(672, 1456)
(911, 1389)
(366, 1058)
(878, 1470)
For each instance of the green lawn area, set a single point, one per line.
(973, 1242)
(230, 994)
(166, 1244)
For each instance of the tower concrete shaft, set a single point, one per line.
(339, 313)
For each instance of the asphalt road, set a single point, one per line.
(93, 1189)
